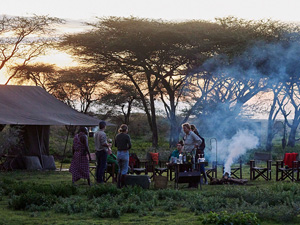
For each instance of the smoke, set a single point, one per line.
(232, 149)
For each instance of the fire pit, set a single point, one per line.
(226, 179)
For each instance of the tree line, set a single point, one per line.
(215, 68)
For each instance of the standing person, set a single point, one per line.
(123, 144)
(191, 140)
(80, 165)
(102, 147)
(200, 151)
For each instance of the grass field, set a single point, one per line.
(49, 198)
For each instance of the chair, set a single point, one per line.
(110, 172)
(135, 164)
(256, 171)
(287, 167)
(155, 165)
(212, 172)
(93, 165)
(235, 170)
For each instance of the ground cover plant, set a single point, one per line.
(49, 198)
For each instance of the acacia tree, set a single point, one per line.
(121, 97)
(154, 55)
(23, 39)
(78, 85)
(40, 74)
(244, 70)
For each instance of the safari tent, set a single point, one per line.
(36, 110)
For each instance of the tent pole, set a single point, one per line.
(37, 132)
(65, 149)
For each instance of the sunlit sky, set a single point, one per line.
(176, 10)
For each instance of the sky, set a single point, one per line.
(76, 12)
(287, 10)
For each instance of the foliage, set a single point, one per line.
(24, 38)
(225, 218)
(9, 140)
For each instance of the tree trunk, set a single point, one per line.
(292, 136)
(270, 134)
(154, 123)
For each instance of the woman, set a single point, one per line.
(123, 144)
(80, 164)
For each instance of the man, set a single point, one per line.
(102, 148)
(177, 151)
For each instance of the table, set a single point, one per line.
(183, 167)
(187, 172)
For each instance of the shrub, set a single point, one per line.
(225, 218)
(100, 190)
(72, 205)
(107, 209)
(27, 200)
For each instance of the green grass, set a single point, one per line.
(271, 201)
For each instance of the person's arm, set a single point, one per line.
(196, 138)
(129, 143)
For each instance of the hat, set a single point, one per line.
(102, 124)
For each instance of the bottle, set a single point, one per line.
(180, 158)
(184, 158)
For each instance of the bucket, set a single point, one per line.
(160, 182)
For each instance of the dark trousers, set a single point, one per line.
(101, 165)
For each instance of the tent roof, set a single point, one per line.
(32, 105)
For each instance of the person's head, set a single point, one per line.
(83, 130)
(123, 128)
(193, 127)
(179, 145)
(102, 125)
(186, 127)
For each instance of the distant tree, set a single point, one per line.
(78, 86)
(23, 39)
(40, 74)
(121, 96)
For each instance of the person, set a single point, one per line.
(178, 150)
(112, 158)
(200, 151)
(123, 144)
(102, 148)
(80, 165)
(191, 140)
(191, 143)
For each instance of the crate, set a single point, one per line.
(160, 182)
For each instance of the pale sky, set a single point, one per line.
(175, 10)
(285, 10)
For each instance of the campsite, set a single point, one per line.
(150, 112)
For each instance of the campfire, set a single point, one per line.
(226, 179)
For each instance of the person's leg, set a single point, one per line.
(202, 170)
(101, 165)
(125, 167)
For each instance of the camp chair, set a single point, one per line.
(236, 172)
(256, 171)
(93, 165)
(287, 167)
(110, 173)
(135, 165)
(155, 165)
(212, 171)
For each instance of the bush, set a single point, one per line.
(225, 218)
(100, 190)
(72, 205)
(107, 209)
(59, 190)
(30, 199)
